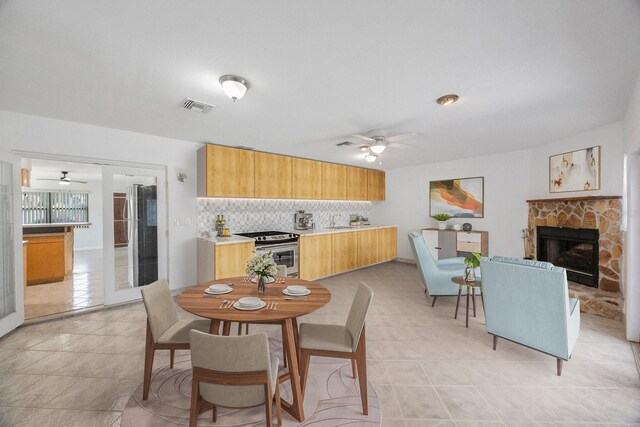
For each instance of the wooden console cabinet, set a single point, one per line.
(454, 243)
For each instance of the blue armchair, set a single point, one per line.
(436, 275)
(528, 302)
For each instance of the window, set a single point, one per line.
(42, 207)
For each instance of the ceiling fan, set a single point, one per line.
(377, 141)
(63, 180)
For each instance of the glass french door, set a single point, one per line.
(11, 248)
(135, 231)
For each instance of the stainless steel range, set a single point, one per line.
(283, 247)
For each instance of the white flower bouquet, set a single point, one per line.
(263, 267)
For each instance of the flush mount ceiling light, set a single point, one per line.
(234, 87)
(378, 147)
(447, 99)
(370, 157)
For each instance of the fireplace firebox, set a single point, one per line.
(575, 249)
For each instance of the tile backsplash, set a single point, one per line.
(244, 215)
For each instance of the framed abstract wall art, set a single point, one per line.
(575, 171)
(460, 198)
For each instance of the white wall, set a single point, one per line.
(509, 180)
(38, 134)
(84, 238)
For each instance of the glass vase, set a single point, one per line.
(262, 281)
(469, 274)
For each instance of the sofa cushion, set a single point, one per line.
(527, 262)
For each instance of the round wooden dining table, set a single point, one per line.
(280, 309)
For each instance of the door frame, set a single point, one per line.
(15, 319)
(113, 296)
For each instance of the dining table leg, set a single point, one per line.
(295, 407)
(226, 328)
(295, 335)
(214, 327)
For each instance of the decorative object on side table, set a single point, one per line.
(467, 226)
(442, 219)
(220, 223)
(460, 198)
(263, 267)
(575, 171)
(472, 263)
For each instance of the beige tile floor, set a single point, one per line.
(427, 368)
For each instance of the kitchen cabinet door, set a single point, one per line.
(334, 181)
(315, 256)
(272, 176)
(306, 179)
(344, 249)
(46, 261)
(368, 248)
(388, 243)
(375, 185)
(231, 260)
(229, 172)
(357, 188)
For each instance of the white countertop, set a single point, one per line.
(57, 224)
(314, 232)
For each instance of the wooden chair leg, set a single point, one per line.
(226, 329)
(354, 369)
(559, 366)
(172, 357)
(267, 405)
(239, 328)
(214, 414)
(433, 304)
(149, 352)
(495, 341)
(361, 363)
(195, 400)
(246, 329)
(278, 404)
(304, 369)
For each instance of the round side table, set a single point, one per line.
(471, 291)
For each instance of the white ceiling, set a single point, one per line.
(527, 72)
(49, 169)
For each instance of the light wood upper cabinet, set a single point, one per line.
(272, 176)
(306, 179)
(334, 181)
(315, 256)
(229, 172)
(387, 243)
(375, 185)
(357, 188)
(231, 260)
(344, 251)
(368, 250)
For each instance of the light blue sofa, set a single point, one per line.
(436, 275)
(528, 302)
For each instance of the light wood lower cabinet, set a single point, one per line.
(368, 250)
(231, 260)
(387, 244)
(344, 251)
(46, 261)
(315, 256)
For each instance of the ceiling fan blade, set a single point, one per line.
(79, 182)
(366, 138)
(47, 179)
(402, 145)
(402, 136)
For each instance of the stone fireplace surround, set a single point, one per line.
(602, 213)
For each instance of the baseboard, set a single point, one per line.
(92, 248)
(406, 260)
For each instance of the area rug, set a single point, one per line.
(332, 399)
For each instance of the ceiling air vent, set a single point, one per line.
(197, 106)
(345, 144)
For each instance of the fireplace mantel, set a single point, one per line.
(574, 199)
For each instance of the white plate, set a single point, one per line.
(296, 289)
(207, 291)
(237, 306)
(269, 280)
(291, 294)
(219, 287)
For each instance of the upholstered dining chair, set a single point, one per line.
(346, 342)
(435, 274)
(233, 372)
(164, 330)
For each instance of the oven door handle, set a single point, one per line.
(278, 247)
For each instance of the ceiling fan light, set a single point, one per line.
(234, 87)
(64, 182)
(370, 157)
(378, 148)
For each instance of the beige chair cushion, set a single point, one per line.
(160, 308)
(246, 353)
(358, 312)
(179, 331)
(325, 337)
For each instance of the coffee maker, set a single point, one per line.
(303, 220)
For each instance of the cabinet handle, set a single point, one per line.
(438, 248)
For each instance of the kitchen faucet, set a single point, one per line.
(333, 221)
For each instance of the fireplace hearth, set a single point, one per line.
(575, 249)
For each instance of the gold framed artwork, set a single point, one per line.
(575, 171)
(460, 197)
